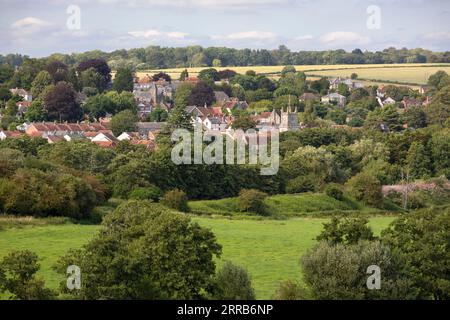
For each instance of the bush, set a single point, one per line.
(301, 184)
(233, 283)
(176, 199)
(339, 272)
(251, 200)
(347, 231)
(334, 191)
(31, 192)
(366, 188)
(152, 193)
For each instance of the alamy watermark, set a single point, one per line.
(374, 280)
(74, 277)
(232, 147)
(74, 20)
(374, 19)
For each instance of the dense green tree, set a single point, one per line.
(100, 66)
(415, 117)
(36, 112)
(418, 161)
(124, 121)
(202, 94)
(58, 71)
(123, 81)
(42, 80)
(182, 94)
(6, 72)
(439, 80)
(158, 115)
(438, 112)
(243, 121)
(422, 239)
(366, 188)
(440, 148)
(61, 103)
(161, 75)
(209, 75)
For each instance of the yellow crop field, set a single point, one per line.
(373, 73)
(408, 75)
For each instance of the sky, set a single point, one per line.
(42, 27)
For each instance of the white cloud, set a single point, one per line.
(157, 34)
(149, 34)
(344, 38)
(306, 37)
(438, 36)
(247, 35)
(177, 35)
(29, 25)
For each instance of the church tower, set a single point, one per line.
(289, 119)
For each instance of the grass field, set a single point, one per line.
(297, 205)
(375, 73)
(269, 249)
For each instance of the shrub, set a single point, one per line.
(366, 188)
(152, 193)
(176, 199)
(301, 184)
(339, 272)
(347, 231)
(233, 283)
(251, 200)
(334, 191)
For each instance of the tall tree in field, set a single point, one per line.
(123, 80)
(202, 94)
(61, 104)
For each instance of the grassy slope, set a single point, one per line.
(269, 249)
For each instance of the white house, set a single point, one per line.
(335, 97)
(27, 96)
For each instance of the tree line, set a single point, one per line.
(156, 57)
